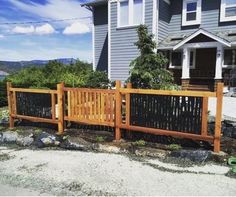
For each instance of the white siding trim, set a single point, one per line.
(201, 31)
(109, 39)
(198, 13)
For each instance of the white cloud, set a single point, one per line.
(76, 28)
(24, 30)
(44, 29)
(54, 9)
(41, 30)
(2, 36)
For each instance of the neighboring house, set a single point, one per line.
(197, 36)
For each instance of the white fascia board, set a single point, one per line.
(201, 31)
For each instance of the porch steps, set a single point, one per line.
(198, 87)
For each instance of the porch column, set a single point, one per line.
(218, 68)
(185, 68)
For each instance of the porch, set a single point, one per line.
(197, 61)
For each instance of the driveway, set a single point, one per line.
(57, 172)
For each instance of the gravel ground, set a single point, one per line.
(57, 172)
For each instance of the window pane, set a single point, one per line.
(191, 7)
(191, 16)
(176, 59)
(138, 11)
(124, 13)
(228, 57)
(230, 12)
(230, 2)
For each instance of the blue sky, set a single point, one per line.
(46, 40)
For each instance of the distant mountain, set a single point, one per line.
(12, 66)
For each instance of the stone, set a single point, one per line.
(72, 146)
(193, 155)
(25, 141)
(109, 149)
(211, 119)
(45, 140)
(8, 137)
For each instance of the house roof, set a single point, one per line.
(95, 2)
(175, 41)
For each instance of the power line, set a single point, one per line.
(44, 21)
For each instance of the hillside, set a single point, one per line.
(13, 66)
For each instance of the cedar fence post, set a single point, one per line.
(204, 116)
(10, 103)
(127, 111)
(60, 102)
(118, 114)
(218, 118)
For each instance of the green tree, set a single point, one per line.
(148, 70)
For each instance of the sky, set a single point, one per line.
(45, 37)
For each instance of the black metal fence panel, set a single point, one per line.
(175, 113)
(34, 104)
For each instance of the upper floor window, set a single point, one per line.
(191, 13)
(130, 12)
(228, 10)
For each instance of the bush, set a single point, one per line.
(3, 93)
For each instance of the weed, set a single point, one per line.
(175, 146)
(100, 139)
(140, 143)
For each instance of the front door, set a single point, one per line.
(204, 71)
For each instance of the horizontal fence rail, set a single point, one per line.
(160, 112)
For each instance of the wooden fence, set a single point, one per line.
(160, 112)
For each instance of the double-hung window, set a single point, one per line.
(191, 13)
(228, 10)
(130, 12)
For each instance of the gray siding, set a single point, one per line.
(123, 50)
(164, 19)
(170, 18)
(210, 18)
(101, 37)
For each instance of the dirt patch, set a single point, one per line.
(4, 157)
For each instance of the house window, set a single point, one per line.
(130, 12)
(228, 10)
(191, 13)
(229, 57)
(176, 58)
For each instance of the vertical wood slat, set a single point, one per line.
(118, 105)
(53, 101)
(102, 107)
(9, 97)
(60, 100)
(218, 118)
(204, 116)
(68, 101)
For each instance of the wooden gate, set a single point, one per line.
(90, 106)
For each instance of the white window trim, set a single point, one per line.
(180, 66)
(223, 7)
(223, 61)
(130, 10)
(198, 13)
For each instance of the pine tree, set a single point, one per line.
(148, 70)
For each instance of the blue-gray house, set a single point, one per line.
(197, 36)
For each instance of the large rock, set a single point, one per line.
(46, 140)
(8, 137)
(193, 155)
(72, 146)
(25, 141)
